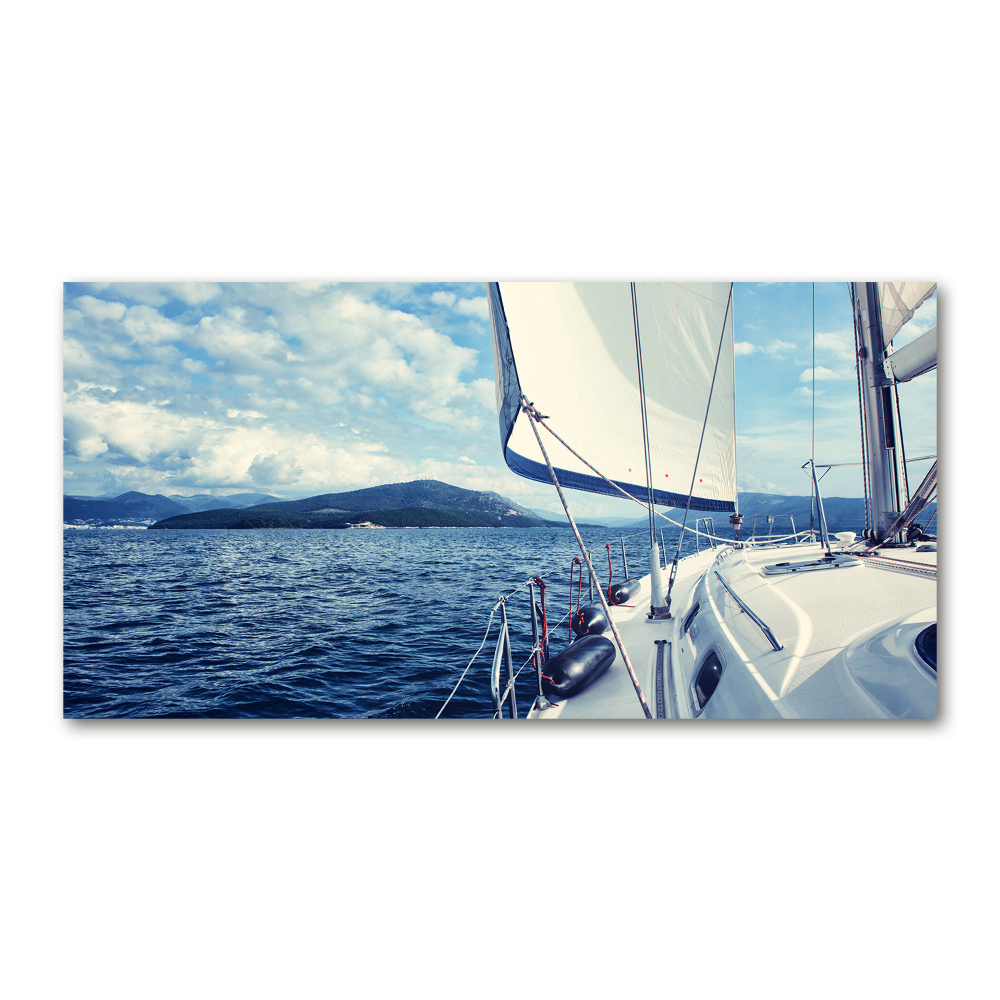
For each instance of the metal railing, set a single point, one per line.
(709, 522)
(759, 622)
(770, 528)
(502, 655)
(502, 694)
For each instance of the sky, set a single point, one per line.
(296, 389)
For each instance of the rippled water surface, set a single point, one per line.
(305, 624)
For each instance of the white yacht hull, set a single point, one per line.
(847, 640)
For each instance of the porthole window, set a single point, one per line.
(927, 646)
(690, 618)
(707, 680)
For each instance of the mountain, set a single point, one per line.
(419, 493)
(548, 515)
(842, 514)
(393, 517)
(475, 506)
(205, 501)
(142, 508)
(427, 503)
(626, 522)
(128, 508)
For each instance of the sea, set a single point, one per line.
(286, 623)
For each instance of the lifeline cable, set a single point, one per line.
(697, 458)
(531, 412)
(489, 625)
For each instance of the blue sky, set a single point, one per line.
(773, 324)
(304, 388)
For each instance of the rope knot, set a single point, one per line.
(531, 410)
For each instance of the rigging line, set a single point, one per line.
(856, 317)
(736, 455)
(902, 445)
(507, 597)
(531, 412)
(645, 421)
(611, 482)
(884, 451)
(697, 458)
(812, 485)
(934, 515)
(921, 498)
(489, 625)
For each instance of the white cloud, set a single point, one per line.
(467, 307)
(98, 308)
(195, 292)
(277, 468)
(743, 347)
(243, 347)
(88, 446)
(87, 386)
(137, 291)
(823, 375)
(746, 483)
(777, 348)
(474, 307)
(840, 345)
(210, 451)
(925, 315)
(308, 361)
(147, 326)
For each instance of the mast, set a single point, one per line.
(879, 414)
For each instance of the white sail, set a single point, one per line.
(571, 349)
(898, 301)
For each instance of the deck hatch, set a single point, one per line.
(810, 565)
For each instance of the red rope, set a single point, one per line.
(611, 572)
(545, 621)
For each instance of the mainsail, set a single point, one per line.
(570, 348)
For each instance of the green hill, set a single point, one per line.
(394, 505)
(393, 517)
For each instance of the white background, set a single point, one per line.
(445, 141)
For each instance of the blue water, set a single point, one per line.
(304, 623)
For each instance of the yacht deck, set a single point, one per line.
(845, 628)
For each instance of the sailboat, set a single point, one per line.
(628, 389)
